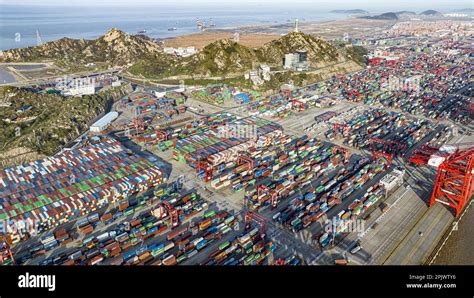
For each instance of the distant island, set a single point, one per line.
(405, 12)
(384, 16)
(465, 10)
(401, 14)
(350, 11)
(430, 12)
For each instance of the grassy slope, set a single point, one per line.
(58, 120)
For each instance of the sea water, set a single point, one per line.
(19, 24)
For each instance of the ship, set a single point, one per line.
(201, 25)
(211, 23)
(141, 32)
(172, 29)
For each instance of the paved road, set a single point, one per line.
(420, 242)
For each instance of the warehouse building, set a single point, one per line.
(79, 90)
(104, 122)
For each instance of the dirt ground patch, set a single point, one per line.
(200, 40)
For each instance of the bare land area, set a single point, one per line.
(200, 40)
(257, 35)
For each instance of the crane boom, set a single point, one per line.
(454, 183)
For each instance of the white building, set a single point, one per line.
(287, 87)
(456, 15)
(264, 70)
(290, 59)
(103, 122)
(168, 50)
(255, 78)
(296, 61)
(159, 94)
(182, 52)
(76, 86)
(393, 179)
(79, 90)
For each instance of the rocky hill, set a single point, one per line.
(115, 48)
(320, 52)
(431, 12)
(220, 57)
(405, 12)
(228, 57)
(383, 16)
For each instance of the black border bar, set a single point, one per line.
(220, 281)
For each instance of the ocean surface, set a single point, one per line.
(6, 77)
(18, 24)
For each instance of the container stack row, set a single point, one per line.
(246, 249)
(312, 203)
(74, 183)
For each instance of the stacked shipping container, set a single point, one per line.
(73, 183)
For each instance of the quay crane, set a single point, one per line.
(454, 183)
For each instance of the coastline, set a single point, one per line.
(7, 76)
(61, 21)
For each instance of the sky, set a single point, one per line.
(324, 4)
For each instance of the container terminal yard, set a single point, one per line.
(368, 167)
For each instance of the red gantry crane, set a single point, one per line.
(342, 129)
(379, 150)
(280, 262)
(166, 209)
(5, 251)
(297, 103)
(422, 155)
(208, 170)
(172, 213)
(344, 151)
(454, 183)
(386, 157)
(243, 158)
(353, 94)
(257, 219)
(263, 189)
(161, 135)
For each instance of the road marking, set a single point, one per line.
(459, 140)
(421, 239)
(391, 239)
